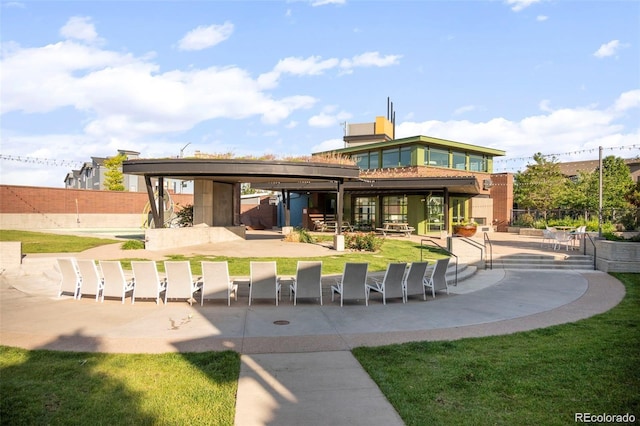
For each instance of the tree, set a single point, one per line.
(617, 184)
(541, 186)
(113, 177)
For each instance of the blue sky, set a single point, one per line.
(82, 78)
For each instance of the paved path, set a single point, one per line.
(301, 372)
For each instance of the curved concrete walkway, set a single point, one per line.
(291, 371)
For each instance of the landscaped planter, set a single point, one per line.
(616, 256)
(464, 230)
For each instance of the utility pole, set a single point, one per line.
(600, 193)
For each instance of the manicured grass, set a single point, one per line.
(393, 250)
(63, 388)
(541, 377)
(39, 242)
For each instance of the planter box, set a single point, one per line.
(465, 230)
(616, 256)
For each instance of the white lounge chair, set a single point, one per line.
(115, 283)
(216, 283)
(548, 235)
(92, 282)
(264, 282)
(578, 234)
(352, 284)
(147, 282)
(71, 281)
(180, 282)
(307, 282)
(414, 281)
(562, 237)
(392, 285)
(438, 280)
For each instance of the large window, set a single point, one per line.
(459, 160)
(435, 213)
(374, 158)
(478, 163)
(364, 213)
(436, 157)
(405, 156)
(394, 209)
(390, 158)
(362, 160)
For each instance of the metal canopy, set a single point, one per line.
(269, 173)
(240, 171)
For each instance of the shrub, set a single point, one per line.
(133, 245)
(185, 216)
(362, 241)
(300, 235)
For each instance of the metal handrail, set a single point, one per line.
(474, 244)
(487, 241)
(441, 248)
(584, 249)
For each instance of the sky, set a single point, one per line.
(82, 79)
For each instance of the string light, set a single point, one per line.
(501, 166)
(42, 161)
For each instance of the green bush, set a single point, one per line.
(133, 245)
(185, 216)
(300, 235)
(362, 241)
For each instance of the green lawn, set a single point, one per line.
(75, 388)
(540, 377)
(40, 242)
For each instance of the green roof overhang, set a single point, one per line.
(422, 140)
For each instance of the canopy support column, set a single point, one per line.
(152, 202)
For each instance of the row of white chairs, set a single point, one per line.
(400, 280)
(107, 279)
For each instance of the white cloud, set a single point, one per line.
(464, 109)
(203, 37)
(15, 4)
(328, 117)
(313, 65)
(560, 131)
(370, 59)
(328, 145)
(628, 100)
(80, 28)
(609, 49)
(316, 3)
(518, 5)
(541, 18)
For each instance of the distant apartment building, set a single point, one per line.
(92, 176)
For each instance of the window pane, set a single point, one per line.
(394, 209)
(364, 214)
(438, 157)
(459, 160)
(390, 158)
(477, 163)
(405, 156)
(362, 160)
(373, 160)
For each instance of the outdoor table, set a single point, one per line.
(396, 227)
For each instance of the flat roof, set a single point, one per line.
(240, 170)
